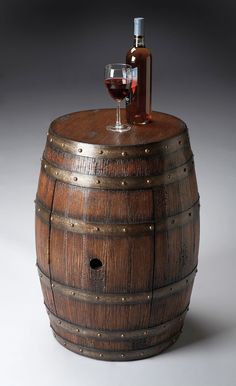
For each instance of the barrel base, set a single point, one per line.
(119, 356)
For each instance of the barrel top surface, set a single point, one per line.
(90, 127)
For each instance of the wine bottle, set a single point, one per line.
(138, 104)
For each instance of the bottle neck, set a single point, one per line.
(139, 41)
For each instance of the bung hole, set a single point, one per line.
(95, 263)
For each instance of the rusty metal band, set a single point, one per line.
(116, 298)
(113, 335)
(117, 355)
(105, 151)
(119, 230)
(118, 183)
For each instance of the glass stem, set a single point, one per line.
(118, 120)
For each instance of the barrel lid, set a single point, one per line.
(90, 127)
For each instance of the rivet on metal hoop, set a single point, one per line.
(51, 218)
(122, 355)
(97, 298)
(100, 151)
(73, 293)
(50, 139)
(148, 181)
(180, 142)
(64, 344)
(80, 350)
(45, 166)
(101, 355)
(148, 297)
(123, 182)
(169, 176)
(75, 178)
(62, 145)
(72, 225)
(39, 209)
(99, 334)
(123, 299)
(122, 336)
(147, 150)
(97, 182)
(151, 227)
(59, 322)
(97, 229)
(124, 229)
(166, 146)
(145, 333)
(77, 330)
(57, 173)
(80, 150)
(123, 153)
(52, 285)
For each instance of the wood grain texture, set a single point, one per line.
(118, 167)
(90, 127)
(122, 343)
(122, 264)
(45, 193)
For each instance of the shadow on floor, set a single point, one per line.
(197, 331)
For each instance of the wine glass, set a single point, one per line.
(118, 79)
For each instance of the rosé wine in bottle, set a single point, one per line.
(138, 103)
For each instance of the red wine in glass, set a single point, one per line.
(119, 88)
(118, 81)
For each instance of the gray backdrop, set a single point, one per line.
(52, 59)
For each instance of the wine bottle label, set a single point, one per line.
(134, 84)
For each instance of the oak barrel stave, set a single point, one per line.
(120, 340)
(46, 188)
(155, 259)
(117, 355)
(118, 167)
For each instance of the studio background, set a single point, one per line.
(52, 59)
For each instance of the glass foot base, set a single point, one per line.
(119, 128)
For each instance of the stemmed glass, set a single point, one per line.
(118, 79)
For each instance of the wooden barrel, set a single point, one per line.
(117, 234)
